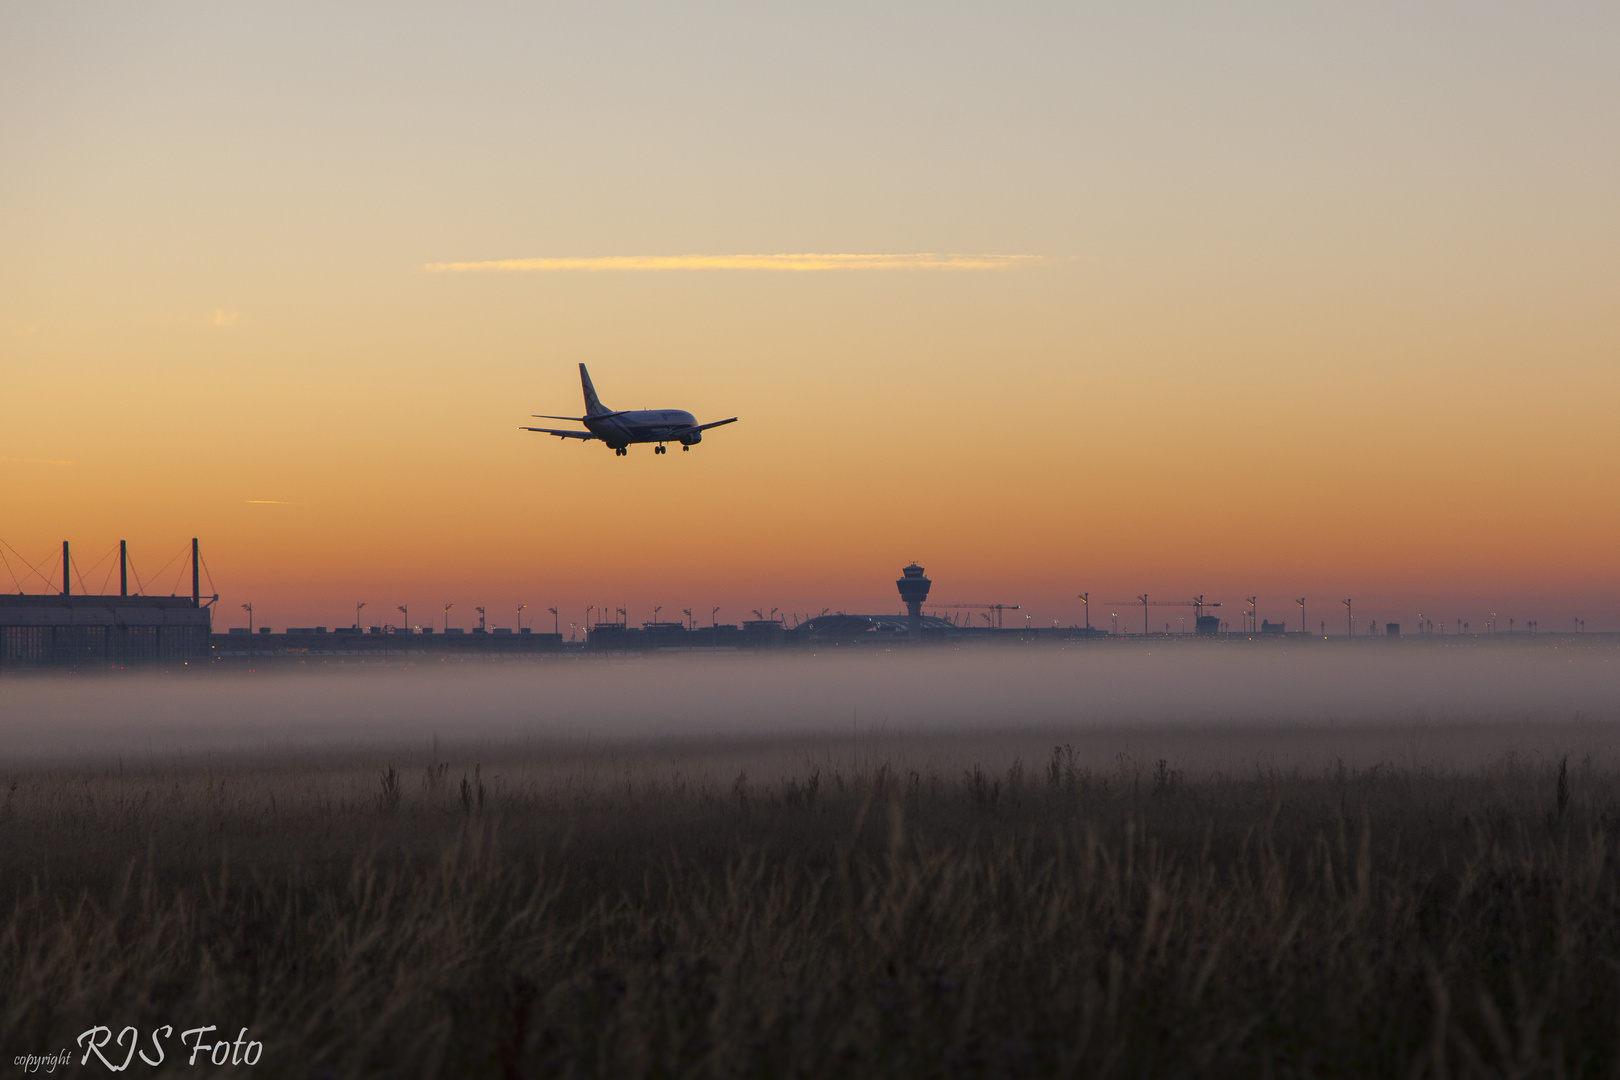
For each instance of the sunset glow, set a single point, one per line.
(1342, 326)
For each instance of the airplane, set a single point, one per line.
(620, 429)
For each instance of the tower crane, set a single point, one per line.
(997, 608)
(1198, 603)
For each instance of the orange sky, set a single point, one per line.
(1318, 304)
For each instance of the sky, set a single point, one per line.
(1249, 299)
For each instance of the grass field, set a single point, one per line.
(1197, 904)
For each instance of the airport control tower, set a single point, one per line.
(914, 588)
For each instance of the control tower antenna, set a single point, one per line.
(914, 586)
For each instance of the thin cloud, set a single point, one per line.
(800, 262)
(267, 502)
(33, 461)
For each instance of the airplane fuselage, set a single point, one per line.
(645, 426)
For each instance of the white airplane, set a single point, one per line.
(620, 429)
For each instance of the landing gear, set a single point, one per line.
(620, 451)
(659, 449)
(684, 449)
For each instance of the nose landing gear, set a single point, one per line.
(684, 449)
(620, 451)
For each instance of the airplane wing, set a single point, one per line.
(560, 434)
(706, 427)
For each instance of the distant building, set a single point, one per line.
(1269, 627)
(73, 631)
(1392, 629)
(854, 629)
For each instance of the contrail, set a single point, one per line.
(799, 262)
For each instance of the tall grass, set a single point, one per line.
(1048, 920)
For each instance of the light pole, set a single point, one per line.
(1254, 627)
(714, 619)
(447, 608)
(588, 609)
(1301, 603)
(556, 622)
(520, 617)
(405, 610)
(656, 609)
(482, 624)
(249, 609)
(688, 613)
(1350, 614)
(1085, 598)
(357, 606)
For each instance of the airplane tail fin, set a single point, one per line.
(593, 404)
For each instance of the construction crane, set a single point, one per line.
(997, 608)
(1198, 603)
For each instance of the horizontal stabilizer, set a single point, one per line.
(561, 434)
(577, 419)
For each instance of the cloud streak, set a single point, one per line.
(792, 262)
(266, 502)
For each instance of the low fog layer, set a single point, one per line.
(1203, 686)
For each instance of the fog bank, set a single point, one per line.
(1098, 686)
